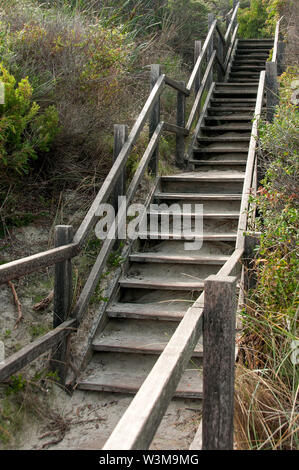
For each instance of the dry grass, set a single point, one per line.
(266, 411)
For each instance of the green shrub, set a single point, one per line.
(252, 20)
(24, 129)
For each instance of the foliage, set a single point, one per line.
(252, 20)
(24, 130)
(267, 417)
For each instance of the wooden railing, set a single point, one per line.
(67, 245)
(273, 69)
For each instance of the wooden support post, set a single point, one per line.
(154, 118)
(251, 241)
(210, 50)
(219, 326)
(120, 137)
(271, 89)
(280, 57)
(181, 122)
(197, 51)
(63, 295)
(220, 53)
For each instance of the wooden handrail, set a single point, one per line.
(201, 56)
(276, 40)
(242, 226)
(200, 92)
(232, 21)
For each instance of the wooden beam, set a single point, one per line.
(203, 85)
(33, 263)
(176, 85)
(271, 89)
(154, 118)
(218, 363)
(242, 225)
(201, 56)
(35, 349)
(63, 296)
(120, 137)
(180, 121)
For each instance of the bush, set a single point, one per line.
(24, 129)
(267, 413)
(252, 20)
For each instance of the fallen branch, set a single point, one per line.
(44, 303)
(17, 302)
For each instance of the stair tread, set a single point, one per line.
(207, 176)
(135, 336)
(235, 127)
(158, 257)
(221, 150)
(125, 374)
(218, 162)
(233, 117)
(223, 139)
(170, 311)
(160, 283)
(212, 196)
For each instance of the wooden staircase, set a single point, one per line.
(161, 279)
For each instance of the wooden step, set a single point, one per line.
(137, 337)
(210, 177)
(223, 128)
(243, 67)
(169, 258)
(222, 139)
(158, 311)
(233, 100)
(225, 149)
(160, 283)
(197, 196)
(232, 117)
(125, 373)
(224, 109)
(218, 162)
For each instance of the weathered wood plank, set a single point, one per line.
(271, 89)
(168, 127)
(201, 56)
(63, 294)
(203, 85)
(154, 118)
(120, 137)
(30, 264)
(20, 359)
(218, 363)
(177, 85)
(181, 121)
(250, 165)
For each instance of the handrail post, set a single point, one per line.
(197, 51)
(63, 294)
(210, 49)
(220, 53)
(280, 57)
(120, 137)
(271, 89)
(154, 118)
(219, 324)
(235, 3)
(181, 121)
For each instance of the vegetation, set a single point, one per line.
(268, 375)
